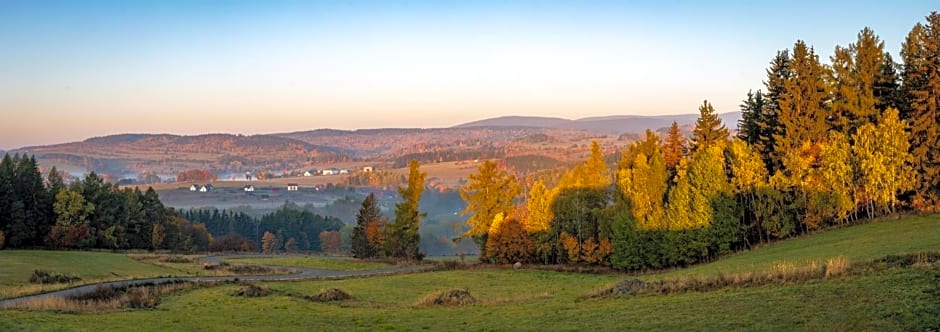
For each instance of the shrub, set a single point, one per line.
(43, 277)
(2, 240)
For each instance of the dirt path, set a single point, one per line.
(301, 274)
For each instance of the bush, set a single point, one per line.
(177, 259)
(2, 240)
(43, 277)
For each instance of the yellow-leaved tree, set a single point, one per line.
(489, 192)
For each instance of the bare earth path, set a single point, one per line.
(301, 274)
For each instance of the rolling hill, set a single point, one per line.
(617, 124)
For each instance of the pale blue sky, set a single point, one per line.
(75, 69)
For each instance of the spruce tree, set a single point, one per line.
(921, 85)
(369, 214)
(709, 131)
(887, 88)
(752, 108)
(855, 70)
(766, 144)
(803, 104)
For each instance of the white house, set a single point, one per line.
(366, 169)
(311, 172)
(206, 188)
(329, 171)
(292, 187)
(344, 171)
(194, 187)
(249, 188)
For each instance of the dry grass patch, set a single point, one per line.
(454, 297)
(251, 290)
(330, 295)
(104, 298)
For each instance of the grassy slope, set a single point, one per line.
(540, 300)
(857, 243)
(341, 264)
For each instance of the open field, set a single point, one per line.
(18, 265)
(312, 262)
(507, 299)
(524, 300)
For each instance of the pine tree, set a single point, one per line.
(674, 149)
(921, 85)
(709, 131)
(402, 237)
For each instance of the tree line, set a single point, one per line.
(819, 146)
(89, 213)
(291, 229)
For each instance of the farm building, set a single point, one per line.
(292, 187)
(194, 187)
(366, 169)
(249, 188)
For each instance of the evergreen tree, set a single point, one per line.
(803, 104)
(369, 216)
(752, 108)
(921, 86)
(709, 131)
(674, 148)
(403, 237)
(855, 71)
(766, 144)
(887, 88)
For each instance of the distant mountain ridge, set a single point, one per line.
(616, 124)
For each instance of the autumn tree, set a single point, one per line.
(269, 243)
(709, 131)
(538, 207)
(882, 153)
(673, 149)
(644, 185)
(369, 224)
(921, 84)
(803, 103)
(330, 241)
(855, 71)
(508, 242)
(489, 192)
(402, 235)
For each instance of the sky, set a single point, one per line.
(70, 70)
